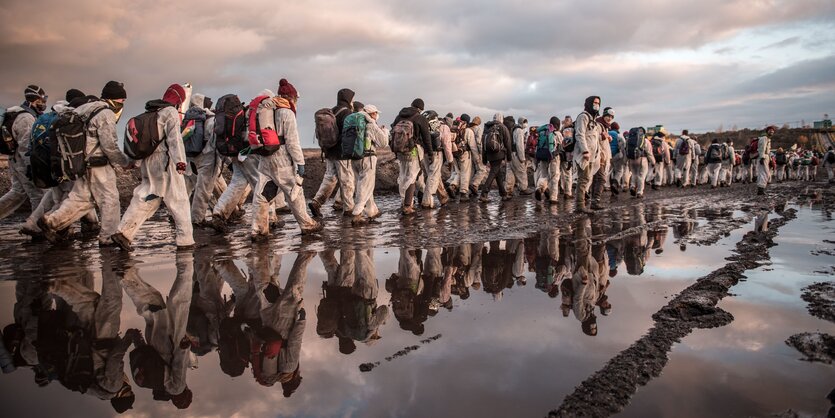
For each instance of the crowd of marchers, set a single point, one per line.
(62, 161)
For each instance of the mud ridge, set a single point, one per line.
(367, 367)
(821, 300)
(609, 389)
(816, 346)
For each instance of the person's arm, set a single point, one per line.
(648, 151)
(173, 138)
(508, 143)
(22, 132)
(762, 148)
(104, 127)
(288, 130)
(581, 135)
(209, 134)
(519, 142)
(425, 136)
(469, 138)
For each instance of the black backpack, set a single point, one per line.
(230, 126)
(141, 133)
(493, 138)
(78, 373)
(657, 144)
(714, 154)
(830, 157)
(68, 145)
(8, 143)
(635, 143)
(781, 158)
(193, 131)
(146, 359)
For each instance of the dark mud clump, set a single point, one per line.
(609, 390)
(821, 300)
(816, 346)
(367, 367)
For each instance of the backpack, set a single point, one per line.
(78, 373)
(737, 159)
(657, 145)
(459, 144)
(830, 157)
(230, 125)
(8, 143)
(753, 148)
(531, 143)
(635, 143)
(684, 148)
(145, 359)
(545, 143)
(493, 138)
(327, 131)
(614, 145)
(263, 140)
(714, 154)
(353, 136)
(142, 136)
(40, 159)
(68, 146)
(403, 137)
(815, 161)
(568, 144)
(781, 158)
(194, 131)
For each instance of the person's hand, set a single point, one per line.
(300, 170)
(586, 156)
(181, 168)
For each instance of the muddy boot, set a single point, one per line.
(121, 241)
(654, 187)
(316, 227)
(89, 228)
(463, 197)
(483, 198)
(218, 224)
(443, 196)
(547, 195)
(419, 197)
(760, 191)
(358, 220)
(452, 190)
(283, 211)
(526, 192)
(315, 208)
(408, 210)
(259, 237)
(50, 234)
(473, 190)
(580, 208)
(506, 197)
(633, 192)
(32, 232)
(538, 194)
(409, 198)
(337, 206)
(277, 224)
(596, 206)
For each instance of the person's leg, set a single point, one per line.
(176, 201)
(15, 196)
(345, 174)
(641, 173)
(328, 185)
(465, 175)
(365, 185)
(208, 169)
(492, 175)
(237, 188)
(141, 208)
(552, 175)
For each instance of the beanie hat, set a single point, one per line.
(115, 90)
(418, 103)
(450, 115)
(286, 89)
(465, 118)
(615, 126)
(609, 112)
(33, 93)
(358, 106)
(477, 120)
(174, 94)
(771, 127)
(73, 94)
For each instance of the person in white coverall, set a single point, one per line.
(282, 172)
(517, 173)
(683, 160)
(763, 160)
(829, 164)
(713, 159)
(98, 187)
(726, 174)
(162, 178)
(586, 150)
(465, 162)
(640, 167)
(547, 175)
(365, 170)
(433, 162)
(208, 164)
(22, 187)
(479, 167)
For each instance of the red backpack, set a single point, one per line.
(754, 148)
(531, 143)
(263, 140)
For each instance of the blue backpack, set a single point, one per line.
(194, 131)
(545, 144)
(614, 144)
(40, 152)
(353, 136)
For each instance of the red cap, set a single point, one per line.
(286, 89)
(175, 94)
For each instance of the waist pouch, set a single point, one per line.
(97, 161)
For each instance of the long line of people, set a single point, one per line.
(63, 161)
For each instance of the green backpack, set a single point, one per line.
(354, 141)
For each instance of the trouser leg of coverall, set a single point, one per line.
(465, 173)
(97, 187)
(694, 173)
(549, 177)
(329, 182)
(22, 189)
(682, 164)
(345, 174)
(763, 174)
(208, 169)
(433, 180)
(617, 171)
(278, 168)
(520, 173)
(366, 175)
(244, 178)
(658, 174)
(639, 170)
(409, 170)
(567, 177)
(480, 170)
(584, 180)
(713, 172)
(498, 172)
(599, 183)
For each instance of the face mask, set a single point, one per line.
(596, 107)
(116, 107)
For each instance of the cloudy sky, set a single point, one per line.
(684, 64)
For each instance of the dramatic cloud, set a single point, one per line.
(682, 64)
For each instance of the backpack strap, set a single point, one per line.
(87, 126)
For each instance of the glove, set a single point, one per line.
(300, 170)
(181, 168)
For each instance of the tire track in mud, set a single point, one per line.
(610, 389)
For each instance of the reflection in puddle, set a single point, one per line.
(512, 308)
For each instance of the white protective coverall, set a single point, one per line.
(517, 173)
(277, 174)
(22, 188)
(365, 170)
(98, 186)
(162, 183)
(547, 175)
(208, 163)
